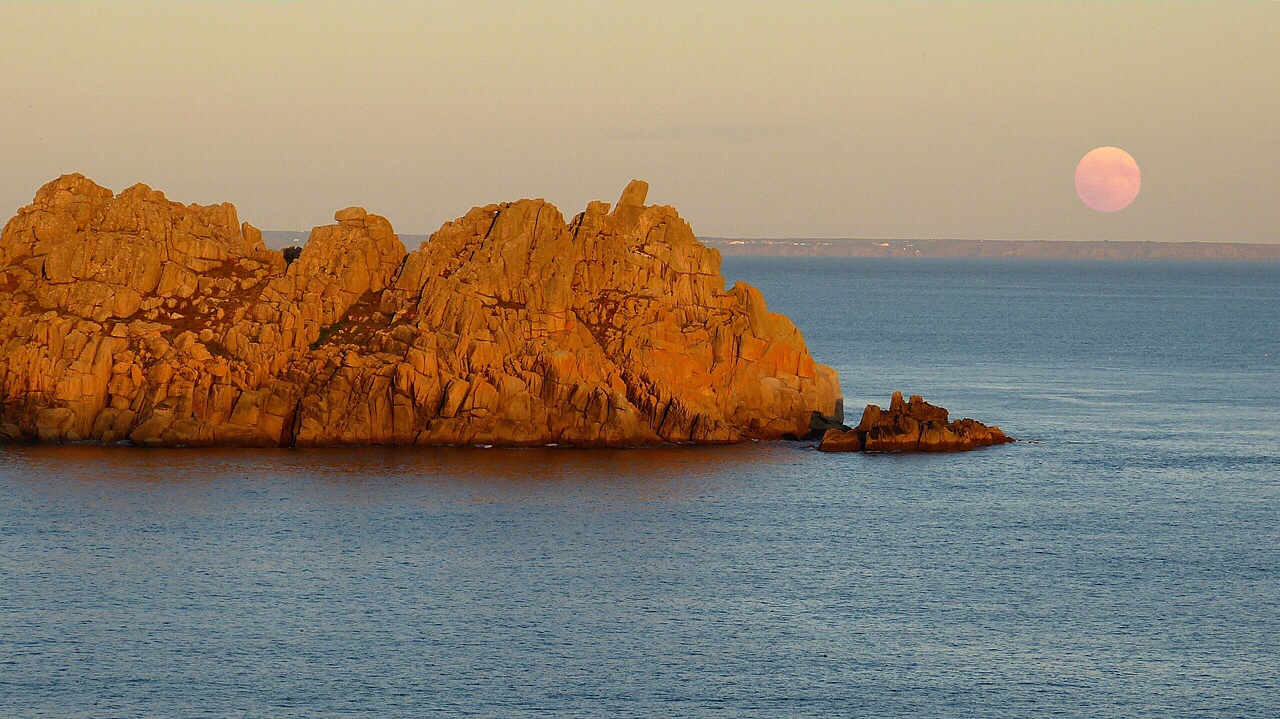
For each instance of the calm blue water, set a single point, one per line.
(1125, 562)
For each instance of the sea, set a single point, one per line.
(1121, 560)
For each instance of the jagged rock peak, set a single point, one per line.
(634, 194)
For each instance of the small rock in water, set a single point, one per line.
(911, 426)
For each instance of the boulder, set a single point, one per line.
(839, 440)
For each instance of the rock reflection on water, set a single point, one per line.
(506, 474)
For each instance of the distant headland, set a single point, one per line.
(1031, 249)
(132, 318)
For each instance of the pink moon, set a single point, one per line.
(1107, 179)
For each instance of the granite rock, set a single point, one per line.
(129, 317)
(911, 426)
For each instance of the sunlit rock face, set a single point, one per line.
(133, 318)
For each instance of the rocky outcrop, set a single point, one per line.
(128, 317)
(911, 426)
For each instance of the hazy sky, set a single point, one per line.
(770, 119)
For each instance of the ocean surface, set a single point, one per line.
(1121, 561)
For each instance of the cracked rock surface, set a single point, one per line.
(129, 317)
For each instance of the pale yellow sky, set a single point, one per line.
(754, 119)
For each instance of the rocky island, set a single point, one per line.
(131, 318)
(911, 426)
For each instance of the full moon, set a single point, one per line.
(1107, 179)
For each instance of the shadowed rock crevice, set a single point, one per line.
(128, 317)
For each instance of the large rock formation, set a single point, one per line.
(133, 318)
(911, 426)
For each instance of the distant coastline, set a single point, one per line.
(849, 247)
(1033, 249)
